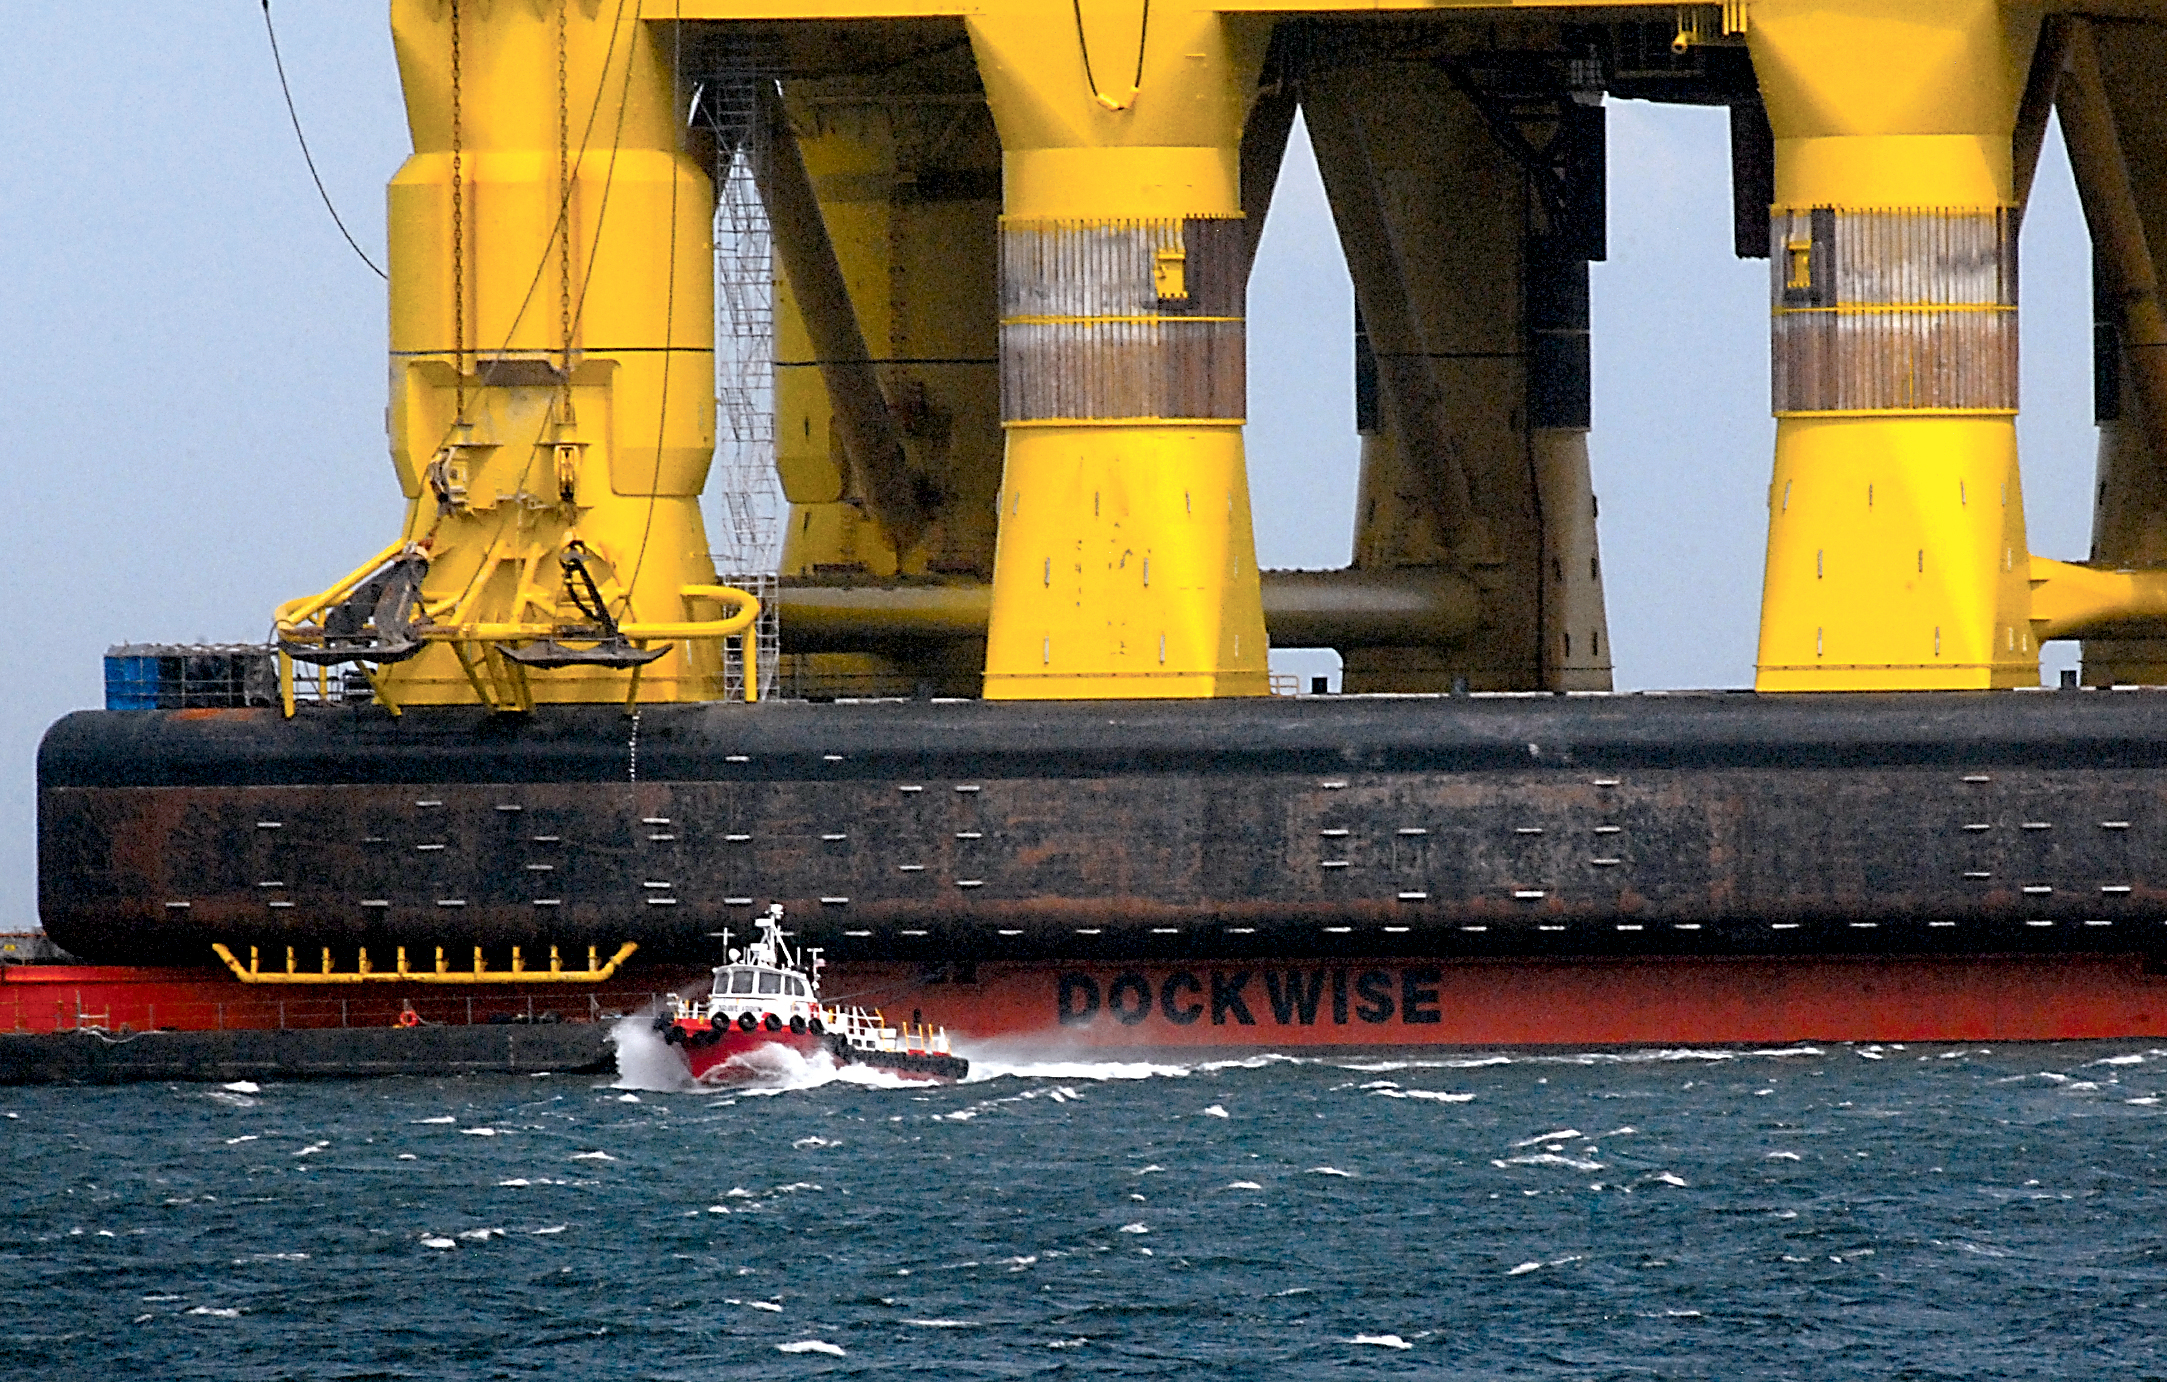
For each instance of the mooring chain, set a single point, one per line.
(564, 203)
(458, 231)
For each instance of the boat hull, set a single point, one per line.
(730, 1054)
(1544, 827)
(1026, 1009)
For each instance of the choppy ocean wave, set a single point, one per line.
(1824, 1211)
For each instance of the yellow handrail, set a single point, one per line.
(743, 620)
(307, 606)
(254, 973)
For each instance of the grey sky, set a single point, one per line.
(194, 382)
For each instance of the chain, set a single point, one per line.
(564, 206)
(458, 230)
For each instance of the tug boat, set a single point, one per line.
(768, 995)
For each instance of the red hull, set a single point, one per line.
(708, 1063)
(48, 998)
(1642, 1001)
(1366, 1003)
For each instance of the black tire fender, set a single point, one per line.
(746, 1022)
(816, 1027)
(772, 1023)
(797, 1025)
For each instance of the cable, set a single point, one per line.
(306, 156)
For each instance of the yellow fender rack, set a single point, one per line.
(364, 972)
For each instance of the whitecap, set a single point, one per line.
(1668, 1179)
(516, 1184)
(216, 1312)
(425, 1122)
(628, 1098)
(805, 1142)
(1781, 1156)
(1243, 1185)
(1135, 1228)
(592, 1156)
(986, 1067)
(1295, 1291)
(438, 1242)
(810, 1346)
(408, 1156)
(944, 1324)
(1438, 1095)
(2147, 1100)
(242, 1087)
(553, 1228)
(2121, 1060)
(774, 1306)
(479, 1132)
(237, 1141)
(482, 1235)
(1789, 1051)
(1147, 1170)
(1558, 1136)
(1524, 1268)
(1215, 1111)
(1381, 1340)
(1067, 1343)
(312, 1148)
(1330, 1171)
(1550, 1159)
(1257, 1062)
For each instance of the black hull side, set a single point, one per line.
(957, 832)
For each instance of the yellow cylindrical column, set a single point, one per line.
(1896, 551)
(552, 341)
(1125, 564)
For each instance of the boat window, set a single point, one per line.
(797, 988)
(771, 982)
(741, 981)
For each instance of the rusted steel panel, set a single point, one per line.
(1506, 826)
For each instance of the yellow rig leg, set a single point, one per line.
(552, 366)
(1896, 551)
(1125, 564)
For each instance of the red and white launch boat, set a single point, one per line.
(769, 996)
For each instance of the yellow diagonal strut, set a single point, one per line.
(363, 972)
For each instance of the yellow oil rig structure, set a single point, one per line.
(1006, 392)
(1014, 238)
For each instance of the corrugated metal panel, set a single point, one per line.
(1085, 332)
(1894, 310)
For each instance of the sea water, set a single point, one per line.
(1810, 1211)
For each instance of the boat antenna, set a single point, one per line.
(306, 156)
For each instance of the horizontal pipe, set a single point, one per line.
(1408, 607)
(2071, 601)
